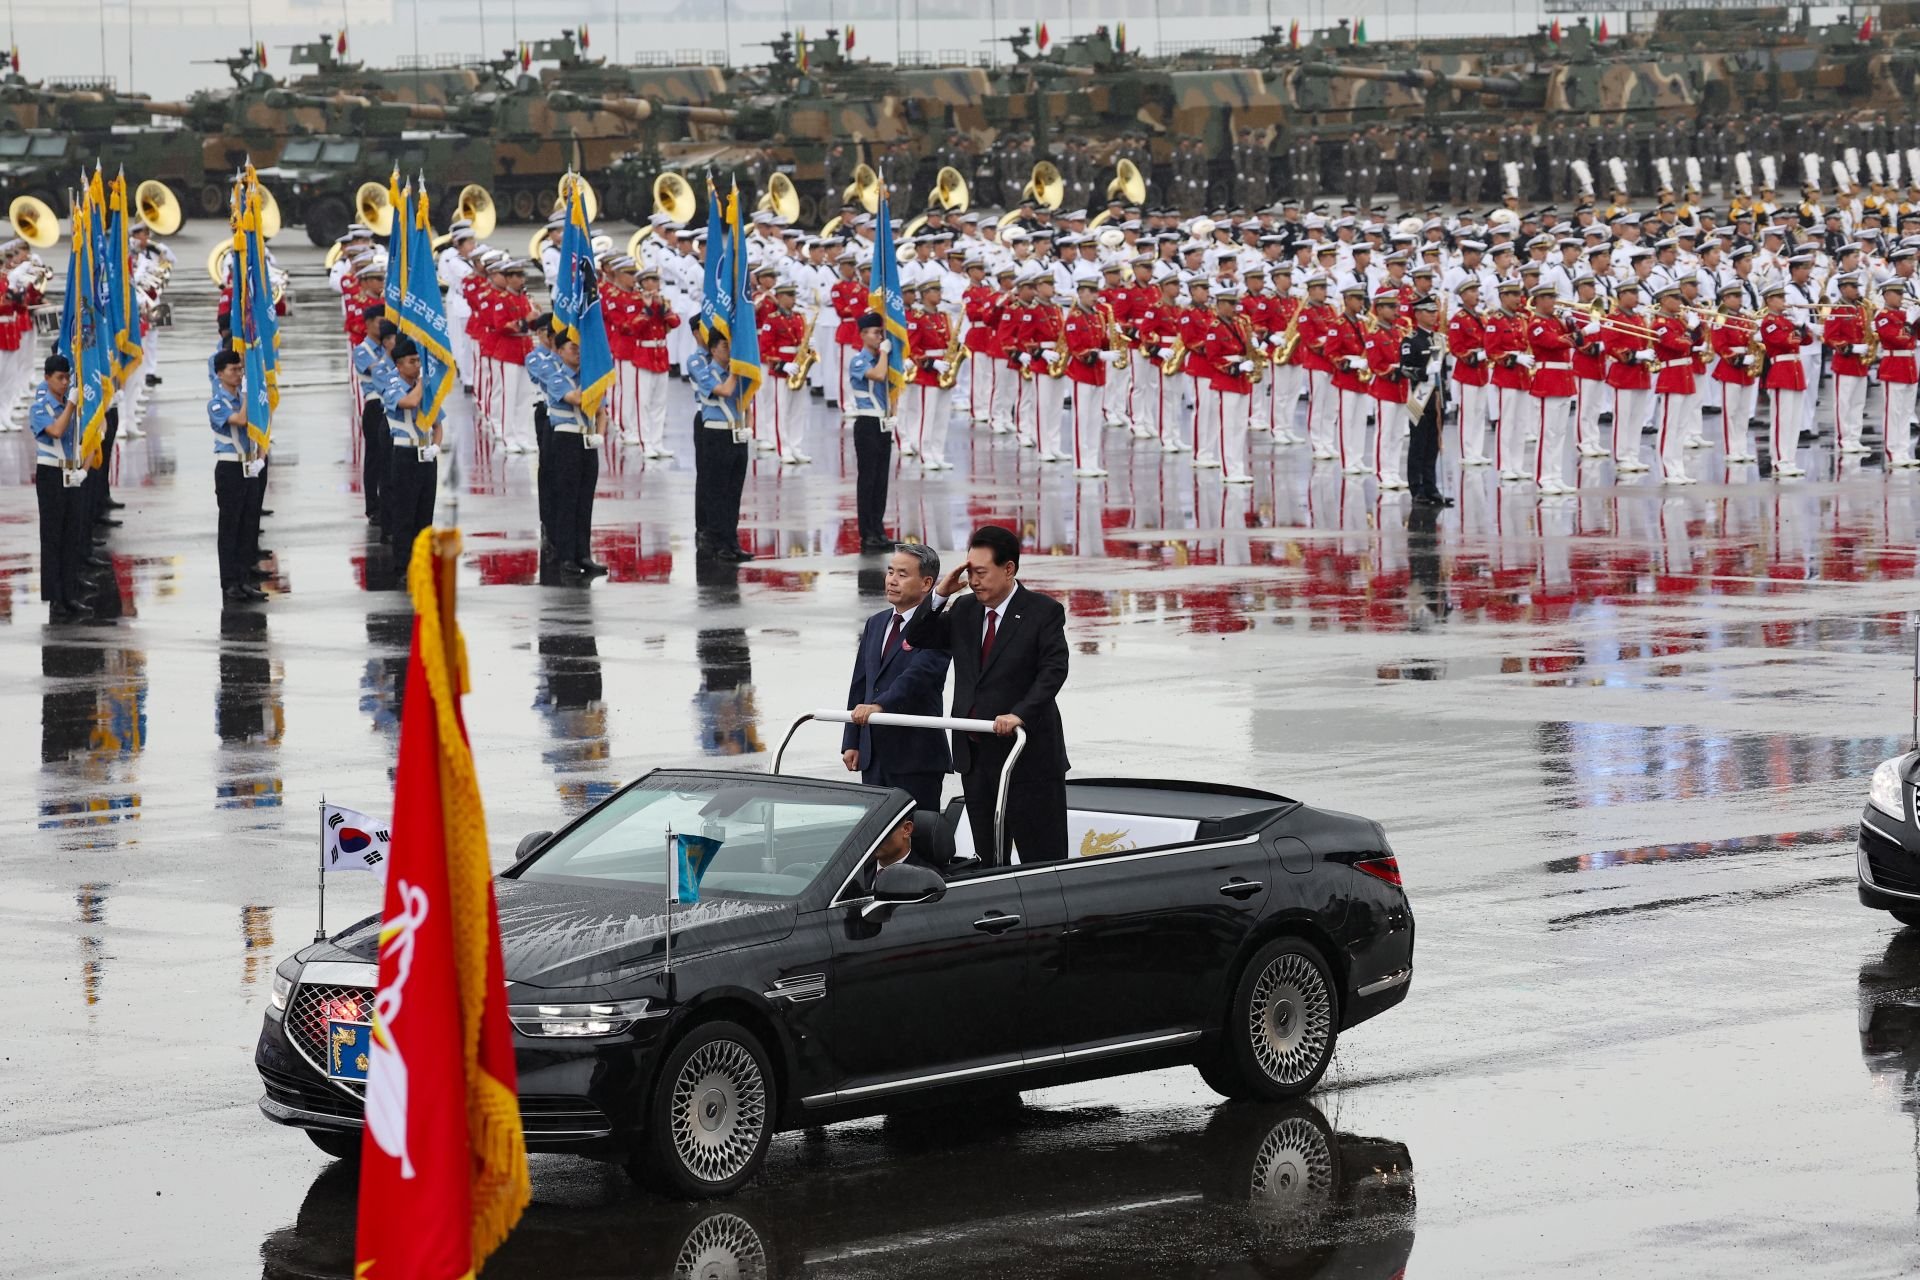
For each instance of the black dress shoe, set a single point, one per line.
(245, 595)
(114, 504)
(266, 511)
(108, 522)
(592, 568)
(736, 553)
(153, 379)
(263, 553)
(259, 575)
(875, 544)
(96, 562)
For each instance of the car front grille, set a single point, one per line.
(306, 1094)
(1890, 865)
(313, 1004)
(541, 1115)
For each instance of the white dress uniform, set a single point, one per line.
(453, 269)
(1800, 304)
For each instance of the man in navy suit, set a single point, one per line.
(889, 674)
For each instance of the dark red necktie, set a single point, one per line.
(893, 639)
(986, 646)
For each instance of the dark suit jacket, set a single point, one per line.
(910, 682)
(1021, 677)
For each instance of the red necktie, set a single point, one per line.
(986, 646)
(893, 639)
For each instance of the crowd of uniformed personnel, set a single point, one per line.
(1527, 331)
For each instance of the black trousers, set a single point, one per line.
(412, 484)
(544, 477)
(230, 486)
(64, 536)
(719, 476)
(1423, 450)
(873, 460)
(97, 494)
(256, 500)
(1036, 807)
(923, 787)
(376, 448)
(576, 473)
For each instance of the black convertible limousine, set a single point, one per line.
(1231, 929)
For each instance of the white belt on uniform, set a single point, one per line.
(1674, 364)
(1554, 365)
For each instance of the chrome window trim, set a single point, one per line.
(1065, 864)
(1006, 1066)
(861, 861)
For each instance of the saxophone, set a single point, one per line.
(1289, 337)
(803, 364)
(955, 354)
(1172, 364)
(1057, 354)
(1867, 313)
(1244, 327)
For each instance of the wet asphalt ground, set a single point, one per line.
(1620, 742)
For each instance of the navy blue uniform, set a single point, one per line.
(891, 673)
(64, 539)
(719, 459)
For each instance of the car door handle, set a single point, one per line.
(1242, 889)
(996, 923)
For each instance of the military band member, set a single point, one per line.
(1422, 354)
(1894, 325)
(1589, 370)
(1550, 341)
(1845, 336)
(1318, 319)
(1736, 372)
(1158, 394)
(1346, 346)
(1387, 386)
(1786, 381)
(1509, 361)
(1120, 299)
(507, 340)
(1047, 333)
(1008, 394)
(849, 298)
(1084, 333)
(779, 421)
(1284, 378)
(925, 405)
(1674, 381)
(1466, 341)
(453, 266)
(1630, 361)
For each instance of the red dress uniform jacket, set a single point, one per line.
(1157, 324)
(1348, 337)
(507, 320)
(1045, 332)
(1506, 337)
(1316, 325)
(1383, 358)
(475, 290)
(1729, 342)
(653, 320)
(1673, 356)
(360, 310)
(1195, 322)
(1897, 341)
(927, 337)
(1845, 330)
(1630, 367)
(780, 333)
(617, 306)
(1221, 349)
(1589, 353)
(849, 299)
(1467, 344)
(1552, 348)
(1280, 313)
(1782, 338)
(983, 308)
(1086, 334)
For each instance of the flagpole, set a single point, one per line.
(320, 926)
(673, 891)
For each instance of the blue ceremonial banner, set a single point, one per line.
(692, 855)
(889, 303)
(576, 306)
(93, 358)
(423, 312)
(716, 285)
(744, 351)
(397, 245)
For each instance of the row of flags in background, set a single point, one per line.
(99, 320)
(256, 326)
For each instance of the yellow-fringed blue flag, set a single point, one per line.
(93, 356)
(266, 316)
(423, 313)
(888, 303)
(744, 349)
(126, 310)
(576, 306)
(399, 197)
(716, 284)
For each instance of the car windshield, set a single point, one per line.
(300, 151)
(49, 147)
(13, 146)
(340, 153)
(775, 838)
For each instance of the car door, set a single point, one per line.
(928, 988)
(1149, 938)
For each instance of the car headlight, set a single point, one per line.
(282, 991)
(1884, 793)
(601, 1019)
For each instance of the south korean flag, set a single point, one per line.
(352, 841)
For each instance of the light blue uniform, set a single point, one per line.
(706, 376)
(541, 362)
(48, 451)
(402, 424)
(555, 381)
(372, 366)
(865, 398)
(222, 406)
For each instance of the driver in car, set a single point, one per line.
(901, 845)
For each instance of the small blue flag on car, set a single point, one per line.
(692, 855)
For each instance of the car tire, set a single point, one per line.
(327, 220)
(711, 1116)
(1909, 916)
(1281, 1027)
(341, 1145)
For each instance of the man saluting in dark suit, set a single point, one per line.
(890, 674)
(1009, 648)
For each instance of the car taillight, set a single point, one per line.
(1387, 869)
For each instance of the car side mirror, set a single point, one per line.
(529, 842)
(901, 885)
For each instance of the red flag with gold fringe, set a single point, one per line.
(443, 1171)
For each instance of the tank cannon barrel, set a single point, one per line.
(638, 109)
(1419, 78)
(281, 99)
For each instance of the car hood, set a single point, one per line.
(555, 934)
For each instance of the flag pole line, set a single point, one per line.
(673, 891)
(320, 925)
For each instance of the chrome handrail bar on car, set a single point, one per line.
(957, 724)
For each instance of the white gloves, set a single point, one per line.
(1026, 358)
(939, 366)
(1165, 353)
(1912, 313)
(1246, 366)
(1591, 329)
(886, 346)
(1858, 348)
(1693, 321)
(1114, 357)
(1526, 358)
(257, 465)
(429, 452)
(1357, 364)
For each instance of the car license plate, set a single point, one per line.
(349, 1046)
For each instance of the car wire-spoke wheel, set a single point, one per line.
(723, 1246)
(718, 1111)
(1292, 1173)
(1290, 1018)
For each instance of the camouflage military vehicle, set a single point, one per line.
(316, 179)
(1769, 59)
(1594, 90)
(332, 73)
(46, 162)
